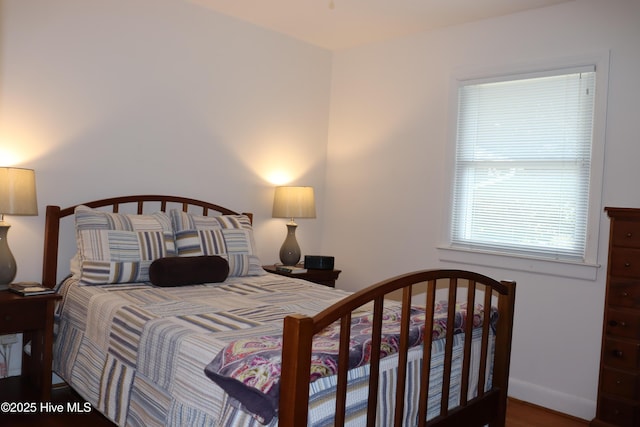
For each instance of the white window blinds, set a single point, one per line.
(523, 159)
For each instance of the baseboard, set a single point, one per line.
(552, 399)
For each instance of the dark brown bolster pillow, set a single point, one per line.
(192, 270)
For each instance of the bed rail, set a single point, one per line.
(488, 407)
(143, 204)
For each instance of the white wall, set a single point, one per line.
(106, 98)
(387, 175)
(110, 97)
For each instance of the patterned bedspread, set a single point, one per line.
(249, 368)
(137, 353)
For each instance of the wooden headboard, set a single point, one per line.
(142, 202)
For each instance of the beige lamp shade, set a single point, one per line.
(294, 202)
(18, 191)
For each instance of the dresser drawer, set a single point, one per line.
(621, 354)
(623, 323)
(624, 293)
(624, 262)
(619, 413)
(626, 233)
(621, 383)
(15, 318)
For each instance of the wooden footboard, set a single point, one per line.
(487, 407)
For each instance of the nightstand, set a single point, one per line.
(321, 277)
(33, 316)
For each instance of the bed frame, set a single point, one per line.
(488, 407)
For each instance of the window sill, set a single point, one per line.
(571, 269)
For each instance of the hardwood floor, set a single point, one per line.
(519, 414)
(523, 414)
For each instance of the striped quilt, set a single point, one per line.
(137, 352)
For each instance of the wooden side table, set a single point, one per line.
(33, 316)
(321, 277)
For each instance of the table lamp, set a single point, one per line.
(17, 197)
(292, 202)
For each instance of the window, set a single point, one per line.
(523, 164)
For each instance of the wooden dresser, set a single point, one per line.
(619, 387)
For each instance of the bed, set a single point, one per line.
(244, 347)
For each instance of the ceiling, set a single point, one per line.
(340, 24)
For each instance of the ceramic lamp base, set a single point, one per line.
(7, 261)
(290, 250)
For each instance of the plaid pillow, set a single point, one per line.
(229, 236)
(119, 248)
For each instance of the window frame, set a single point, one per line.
(582, 269)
